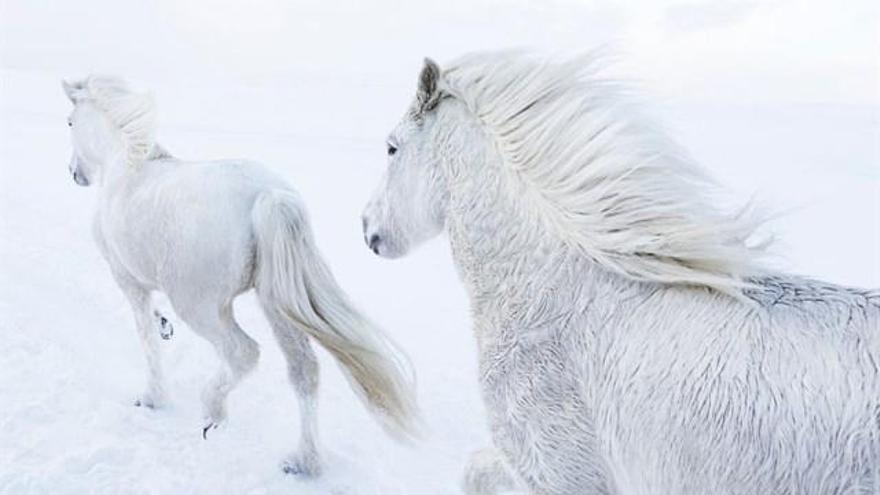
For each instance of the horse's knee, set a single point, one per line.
(486, 474)
(240, 354)
(477, 481)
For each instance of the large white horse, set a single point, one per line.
(203, 233)
(628, 342)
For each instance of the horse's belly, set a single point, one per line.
(171, 254)
(135, 260)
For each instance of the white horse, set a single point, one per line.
(203, 233)
(628, 340)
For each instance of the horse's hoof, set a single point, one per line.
(166, 329)
(210, 426)
(296, 465)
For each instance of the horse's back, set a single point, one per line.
(818, 385)
(200, 213)
(805, 295)
(780, 395)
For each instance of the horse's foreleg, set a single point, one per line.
(486, 473)
(144, 318)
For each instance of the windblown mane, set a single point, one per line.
(133, 113)
(601, 175)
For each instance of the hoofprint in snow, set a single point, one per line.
(629, 339)
(205, 232)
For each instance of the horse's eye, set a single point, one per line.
(69, 124)
(391, 149)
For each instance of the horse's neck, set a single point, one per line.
(490, 240)
(121, 178)
(512, 264)
(118, 180)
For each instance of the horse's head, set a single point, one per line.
(409, 206)
(108, 124)
(91, 135)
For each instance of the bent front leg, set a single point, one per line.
(486, 473)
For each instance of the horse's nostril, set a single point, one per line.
(373, 242)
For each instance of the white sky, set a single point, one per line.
(691, 50)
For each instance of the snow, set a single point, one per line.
(310, 90)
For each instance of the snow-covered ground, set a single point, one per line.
(310, 90)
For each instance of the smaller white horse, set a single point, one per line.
(203, 233)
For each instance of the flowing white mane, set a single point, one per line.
(132, 113)
(602, 176)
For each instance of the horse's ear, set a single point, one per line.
(74, 90)
(427, 94)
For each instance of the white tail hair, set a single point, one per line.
(292, 276)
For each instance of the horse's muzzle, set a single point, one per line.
(78, 177)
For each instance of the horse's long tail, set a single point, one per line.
(293, 278)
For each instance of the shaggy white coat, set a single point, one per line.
(629, 342)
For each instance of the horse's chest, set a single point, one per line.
(536, 394)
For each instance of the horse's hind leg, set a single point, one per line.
(302, 368)
(237, 351)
